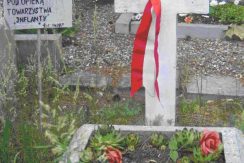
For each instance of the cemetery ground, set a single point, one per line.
(96, 49)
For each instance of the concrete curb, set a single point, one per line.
(204, 31)
(230, 136)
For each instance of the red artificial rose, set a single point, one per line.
(209, 142)
(113, 155)
(188, 19)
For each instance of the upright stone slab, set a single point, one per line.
(162, 112)
(7, 64)
(51, 47)
(216, 85)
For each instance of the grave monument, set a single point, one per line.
(160, 71)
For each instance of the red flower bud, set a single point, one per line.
(113, 155)
(188, 19)
(209, 142)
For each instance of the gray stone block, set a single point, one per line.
(216, 85)
(134, 26)
(86, 79)
(204, 31)
(231, 140)
(125, 82)
(27, 49)
(122, 25)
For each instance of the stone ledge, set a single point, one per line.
(86, 79)
(122, 26)
(23, 37)
(216, 85)
(204, 31)
(231, 139)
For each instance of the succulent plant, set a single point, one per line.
(86, 156)
(187, 138)
(184, 159)
(183, 140)
(158, 141)
(131, 141)
(101, 141)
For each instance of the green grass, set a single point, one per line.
(19, 144)
(22, 139)
(228, 13)
(222, 113)
(5, 142)
(117, 113)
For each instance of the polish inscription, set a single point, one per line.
(24, 14)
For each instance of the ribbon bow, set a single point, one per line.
(140, 46)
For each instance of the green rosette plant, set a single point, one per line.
(158, 141)
(131, 141)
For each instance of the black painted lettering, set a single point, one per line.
(47, 10)
(13, 2)
(17, 20)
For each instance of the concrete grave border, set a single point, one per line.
(51, 45)
(233, 149)
(124, 25)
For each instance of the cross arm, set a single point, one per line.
(129, 6)
(180, 6)
(192, 6)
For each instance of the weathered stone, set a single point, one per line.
(27, 49)
(86, 79)
(134, 25)
(216, 85)
(122, 24)
(77, 144)
(232, 140)
(125, 82)
(204, 31)
(236, 32)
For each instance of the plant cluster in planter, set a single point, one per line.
(186, 146)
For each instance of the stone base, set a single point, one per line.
(204, 31)
(232, 140)
(122, 26)
(216, 86)
(86, 79)
(27, 49)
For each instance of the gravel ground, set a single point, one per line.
(212, 57)
(114, 50)
(98, 45)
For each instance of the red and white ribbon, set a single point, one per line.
(140, 46)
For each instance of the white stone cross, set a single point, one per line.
(162, 112)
